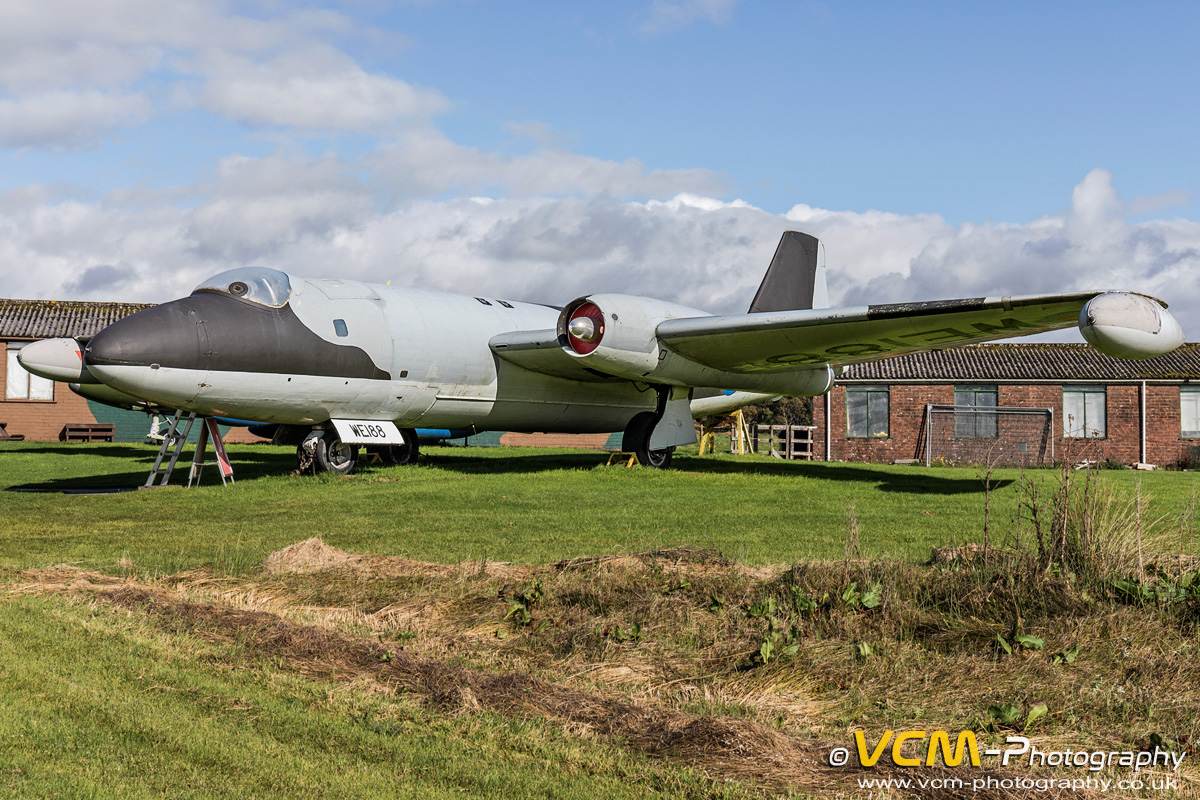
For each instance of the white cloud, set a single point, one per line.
(860, 247)
(314, 88)
(539, 132)
(269, 70)
(28, 67)
(684, 200)
(262, 206)
(1158, 202)
(181, 25)
(1089, 247)
(422, 162)
(667, 16)
(321, 216)
(67, 120)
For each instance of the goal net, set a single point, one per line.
(1011, 436)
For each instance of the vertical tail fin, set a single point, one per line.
(796, 277)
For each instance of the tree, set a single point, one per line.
(784, 411)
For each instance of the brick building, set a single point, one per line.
(1014, 404)
(39, 409)
(34, 407)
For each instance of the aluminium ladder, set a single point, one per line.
(173, 441)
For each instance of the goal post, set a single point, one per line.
(1015, 436)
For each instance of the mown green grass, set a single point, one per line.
(502, 504)
(99, 704)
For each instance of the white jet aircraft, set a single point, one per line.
(354, 363)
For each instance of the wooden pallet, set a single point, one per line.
(88, 432)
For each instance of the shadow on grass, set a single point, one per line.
(918, 481)
(82, 451)
(255, 462)
(247, 465)
(147, 453)
(908, 480)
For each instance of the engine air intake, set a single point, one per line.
(585, 328)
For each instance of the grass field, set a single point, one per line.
(504, 504)
(756, 614)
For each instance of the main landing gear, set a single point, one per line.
(637, 435)
(324, 451)
(396, 455)
(332, 455)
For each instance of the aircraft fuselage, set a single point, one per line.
(349, 350)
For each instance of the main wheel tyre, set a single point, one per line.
(333, 455)
(637, 441)
(399, 454)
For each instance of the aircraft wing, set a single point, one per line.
(608, 336)
(784, 340)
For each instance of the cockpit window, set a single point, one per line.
(269, 287)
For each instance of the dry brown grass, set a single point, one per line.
(719, 745)
(691, 684)
(313, 555)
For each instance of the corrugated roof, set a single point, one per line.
(1017, 362)
(46, 319)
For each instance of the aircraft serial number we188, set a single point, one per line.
(348, 361)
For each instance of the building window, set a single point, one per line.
(1189, 411)
(1083, 412)
(867, 411)
(975, 424)
(21, 385)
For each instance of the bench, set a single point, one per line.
(5, 436)
(88, 432)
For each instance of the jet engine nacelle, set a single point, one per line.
(615, 333)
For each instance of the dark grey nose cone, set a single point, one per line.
(169, 335)
(220, 332)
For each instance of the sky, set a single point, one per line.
(545, 150)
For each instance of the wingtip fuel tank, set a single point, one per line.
(1129, 325)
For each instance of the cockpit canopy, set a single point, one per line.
(268, 287)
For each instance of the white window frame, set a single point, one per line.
(976, 421)
(1090, 403)
(20, 384)
(872, 393)
(1189, 412)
